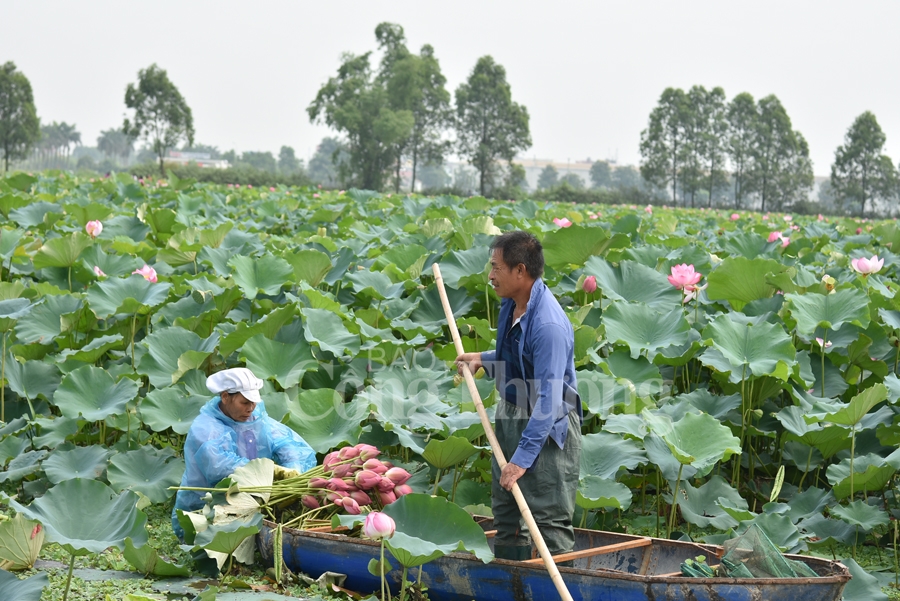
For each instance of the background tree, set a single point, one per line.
(694, 125)
(325, 165)
(601, 175)
(626, 177)
(263, 161)
(662, 141)
(357, 105)
(781, 167)
(573, 181)
(713, 110)
(860, 171)
(548, 178)
(287, 160)
(490, 126)
(416, 84)
(115, 143)
(434, 177)
(741, 117)
(161, 115)
(19, 124)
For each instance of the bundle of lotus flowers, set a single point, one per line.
(351, 480)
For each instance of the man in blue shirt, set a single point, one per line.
(538, 420)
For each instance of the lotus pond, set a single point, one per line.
(735, 368)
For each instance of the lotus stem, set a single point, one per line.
(822, 350)
(852, 453)
(381, 569)
(403, 585)
(674, 502)
(3, 379)
(69, 578)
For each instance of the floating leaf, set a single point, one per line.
(447, 453)
(740, 280)
(595, 493)
(171, 352)
(131, 295)
(326, 329)
(92, 393)
(148, 562)
(266, 274)
(86, 516)
(644, 329)
(284, 362)
(324, 420)
(28, 589)
(146, 470)
(697, 440)
(830, 311)
(762, 349)
(634, 282)
(171, 407)
(79, 462)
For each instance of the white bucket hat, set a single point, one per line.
(236, 379)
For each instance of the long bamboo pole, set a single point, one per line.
(495, 446)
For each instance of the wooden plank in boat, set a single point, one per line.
(630, 544)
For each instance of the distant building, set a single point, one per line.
(201, 159)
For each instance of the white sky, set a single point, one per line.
(588, 72)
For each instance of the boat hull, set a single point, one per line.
(608, 577)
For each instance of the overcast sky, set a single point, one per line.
(588, 72)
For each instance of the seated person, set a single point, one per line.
(233, 428)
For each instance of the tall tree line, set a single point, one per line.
(694, 137)
(399, 112)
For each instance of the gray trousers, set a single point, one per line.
(548, 487)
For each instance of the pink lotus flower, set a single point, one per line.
(692, 292)
(590, 284)
(766, 217)
(823, 343)
(337, 485)
(859, 230)
(820, 217)
(350, 506)
(593, 216)
(403, 489)
(683, 276)
(309, 501)
(271, 188)
(773, 236)
(318, 482)
(93, 228)
(378, 525)
(316, 195)
(250, 186)
(331, 459)
(867, 266)
(387, 498)
(375, 465)
(343, 470)
(564, 222)
(147, 272)
(385, 485)
(361, 497)
(788, 218)
(348, 453)
(366, 479)
(648, 209)
(785, 241)
(367, 451)
(99, 272)
(735, 216)
(397, 475)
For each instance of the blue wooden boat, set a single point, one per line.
(608, 566)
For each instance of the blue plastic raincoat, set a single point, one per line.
(216, 445)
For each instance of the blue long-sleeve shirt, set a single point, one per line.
(546, 362)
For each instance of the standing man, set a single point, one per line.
(538, 420)
(233, 428)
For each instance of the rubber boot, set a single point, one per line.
(517, 553)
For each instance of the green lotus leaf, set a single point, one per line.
(639, 375)
(430, 310)
(760, 349)
(778, 528)
(147, 561)
(810, 502)
(266, 274)
(374, 284)
(740, 280)
(44, 322)
(20, 181)
(12, 446)
(745, 244)
(859, 406)
(595, 493)
(86, 516)
(701, 505)
(863, 586)
(697, 440)
(831, 311)
(25, 464)
(447, 453)
(573, 246)
(40, 215)
(870, 473)
(661, 458)
(54, 431)
(411, 397)
(324, 420)
(130, 295)
(409, 258)
(463, 268)
(11, 310)
(716, 405)
(634, 282)
(328, 331)
(805, 457)
(309, 265)
(861, 514)
(93, 350)
(644, 329)
(604, 454)
(232, 538)
(171, 407)
(284, 362)
(171, 352)
(113, 265)
(738, 513)
(430, 527)
(61, 252)
(146, 470)
(269, 325)
(79, 462)
(20, 543)
(32, 378)
(93, 393)
(27, 589)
